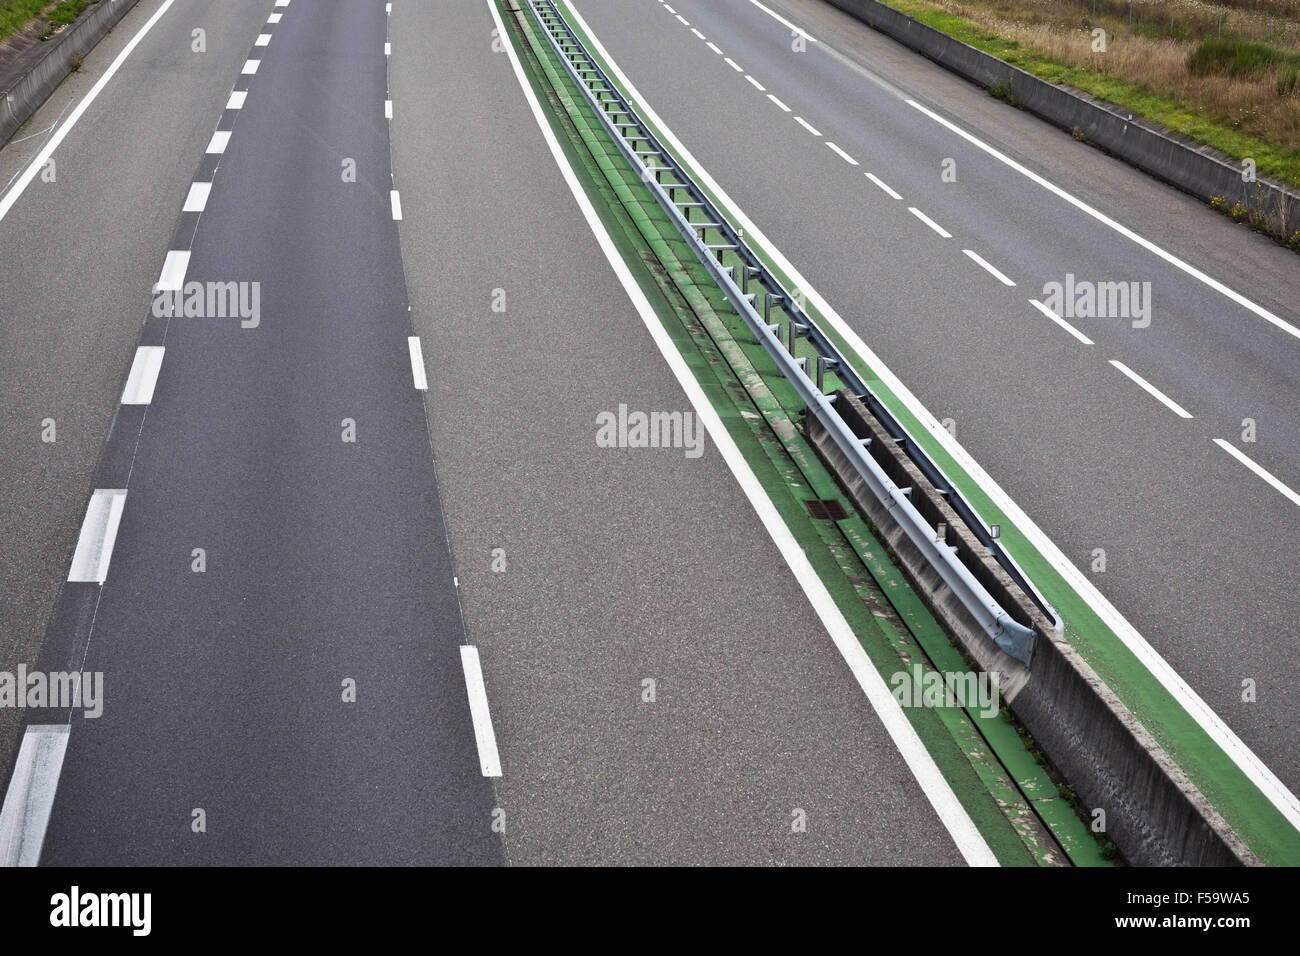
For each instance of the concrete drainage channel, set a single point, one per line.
(978, 594)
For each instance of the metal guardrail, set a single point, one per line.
(694, 215)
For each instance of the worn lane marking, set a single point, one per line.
(98, 534)
(484, 736)
(26, 813)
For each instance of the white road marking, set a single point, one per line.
(98, 534)
(669, 9)
(43, 157)
(484, 736)
(773, 98)
(172, 277)
(30, 797)
(236, 101)
(1060, 321)
(757, 85)
(929, 222)
(250, 67)
(281, 3)
(697, 33)
(784, 22)
(143, 376)
(841, 154)
(714, 47)
(881, 183)
(984, 264)
(807, 125)
(388, 49)
(936, 788)
(273, 18)
(388, 109)
(1154, 392)
(1211, 723)
(396, 200)
(684, 21)
(417, 363)
(1293, 496)
(197, 200)
(263, 39)
(1101, 217)
(733, 64)
(220, 139)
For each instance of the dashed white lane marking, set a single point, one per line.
(220, 139)
(1060, 321)
(396, 201)
(784, 22)
(841, 154)
(236, 101)
(881, 183)
(757, 85)
(984, 264)
(273, 18)
(934, 785)
(807, 125)
(388, 8)
(929, 222)
(388, 109)
(714, 47)
(143, 376)
(30, 797)
(417, 363)
(281, 3)
(98, 533)
(733, 64)
(684, 21)
(263, 39)
(250, 67)
(1242, 756)
(172, 277)
(388, 49)
(484, 735)
(197, 200)
(1249, 463)
(1151, 390)
(1105, 220)
(773, 98)
(669, 9)
(697, 33)
(36, 165)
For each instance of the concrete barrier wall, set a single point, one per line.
(1154, 814)
(33, 88)
(1199, 170)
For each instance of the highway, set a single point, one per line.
(378, 596)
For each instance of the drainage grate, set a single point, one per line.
(827, 508)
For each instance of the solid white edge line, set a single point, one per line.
(987, 267)
(197, 198)
(1278, 486)
(29, 799)
(841, 154)
(37, 164)
(1151, 390)
(969, 841)
(143, 377)
(1060, 321)
(1123, 230)
(784, 22)
(396, 202)
(929, 222)
(772, 97)
(417, 363)
(1246, 760)
(484, 736)
(172, 276)
(883, 185)
(98, 533)
(807, 125)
